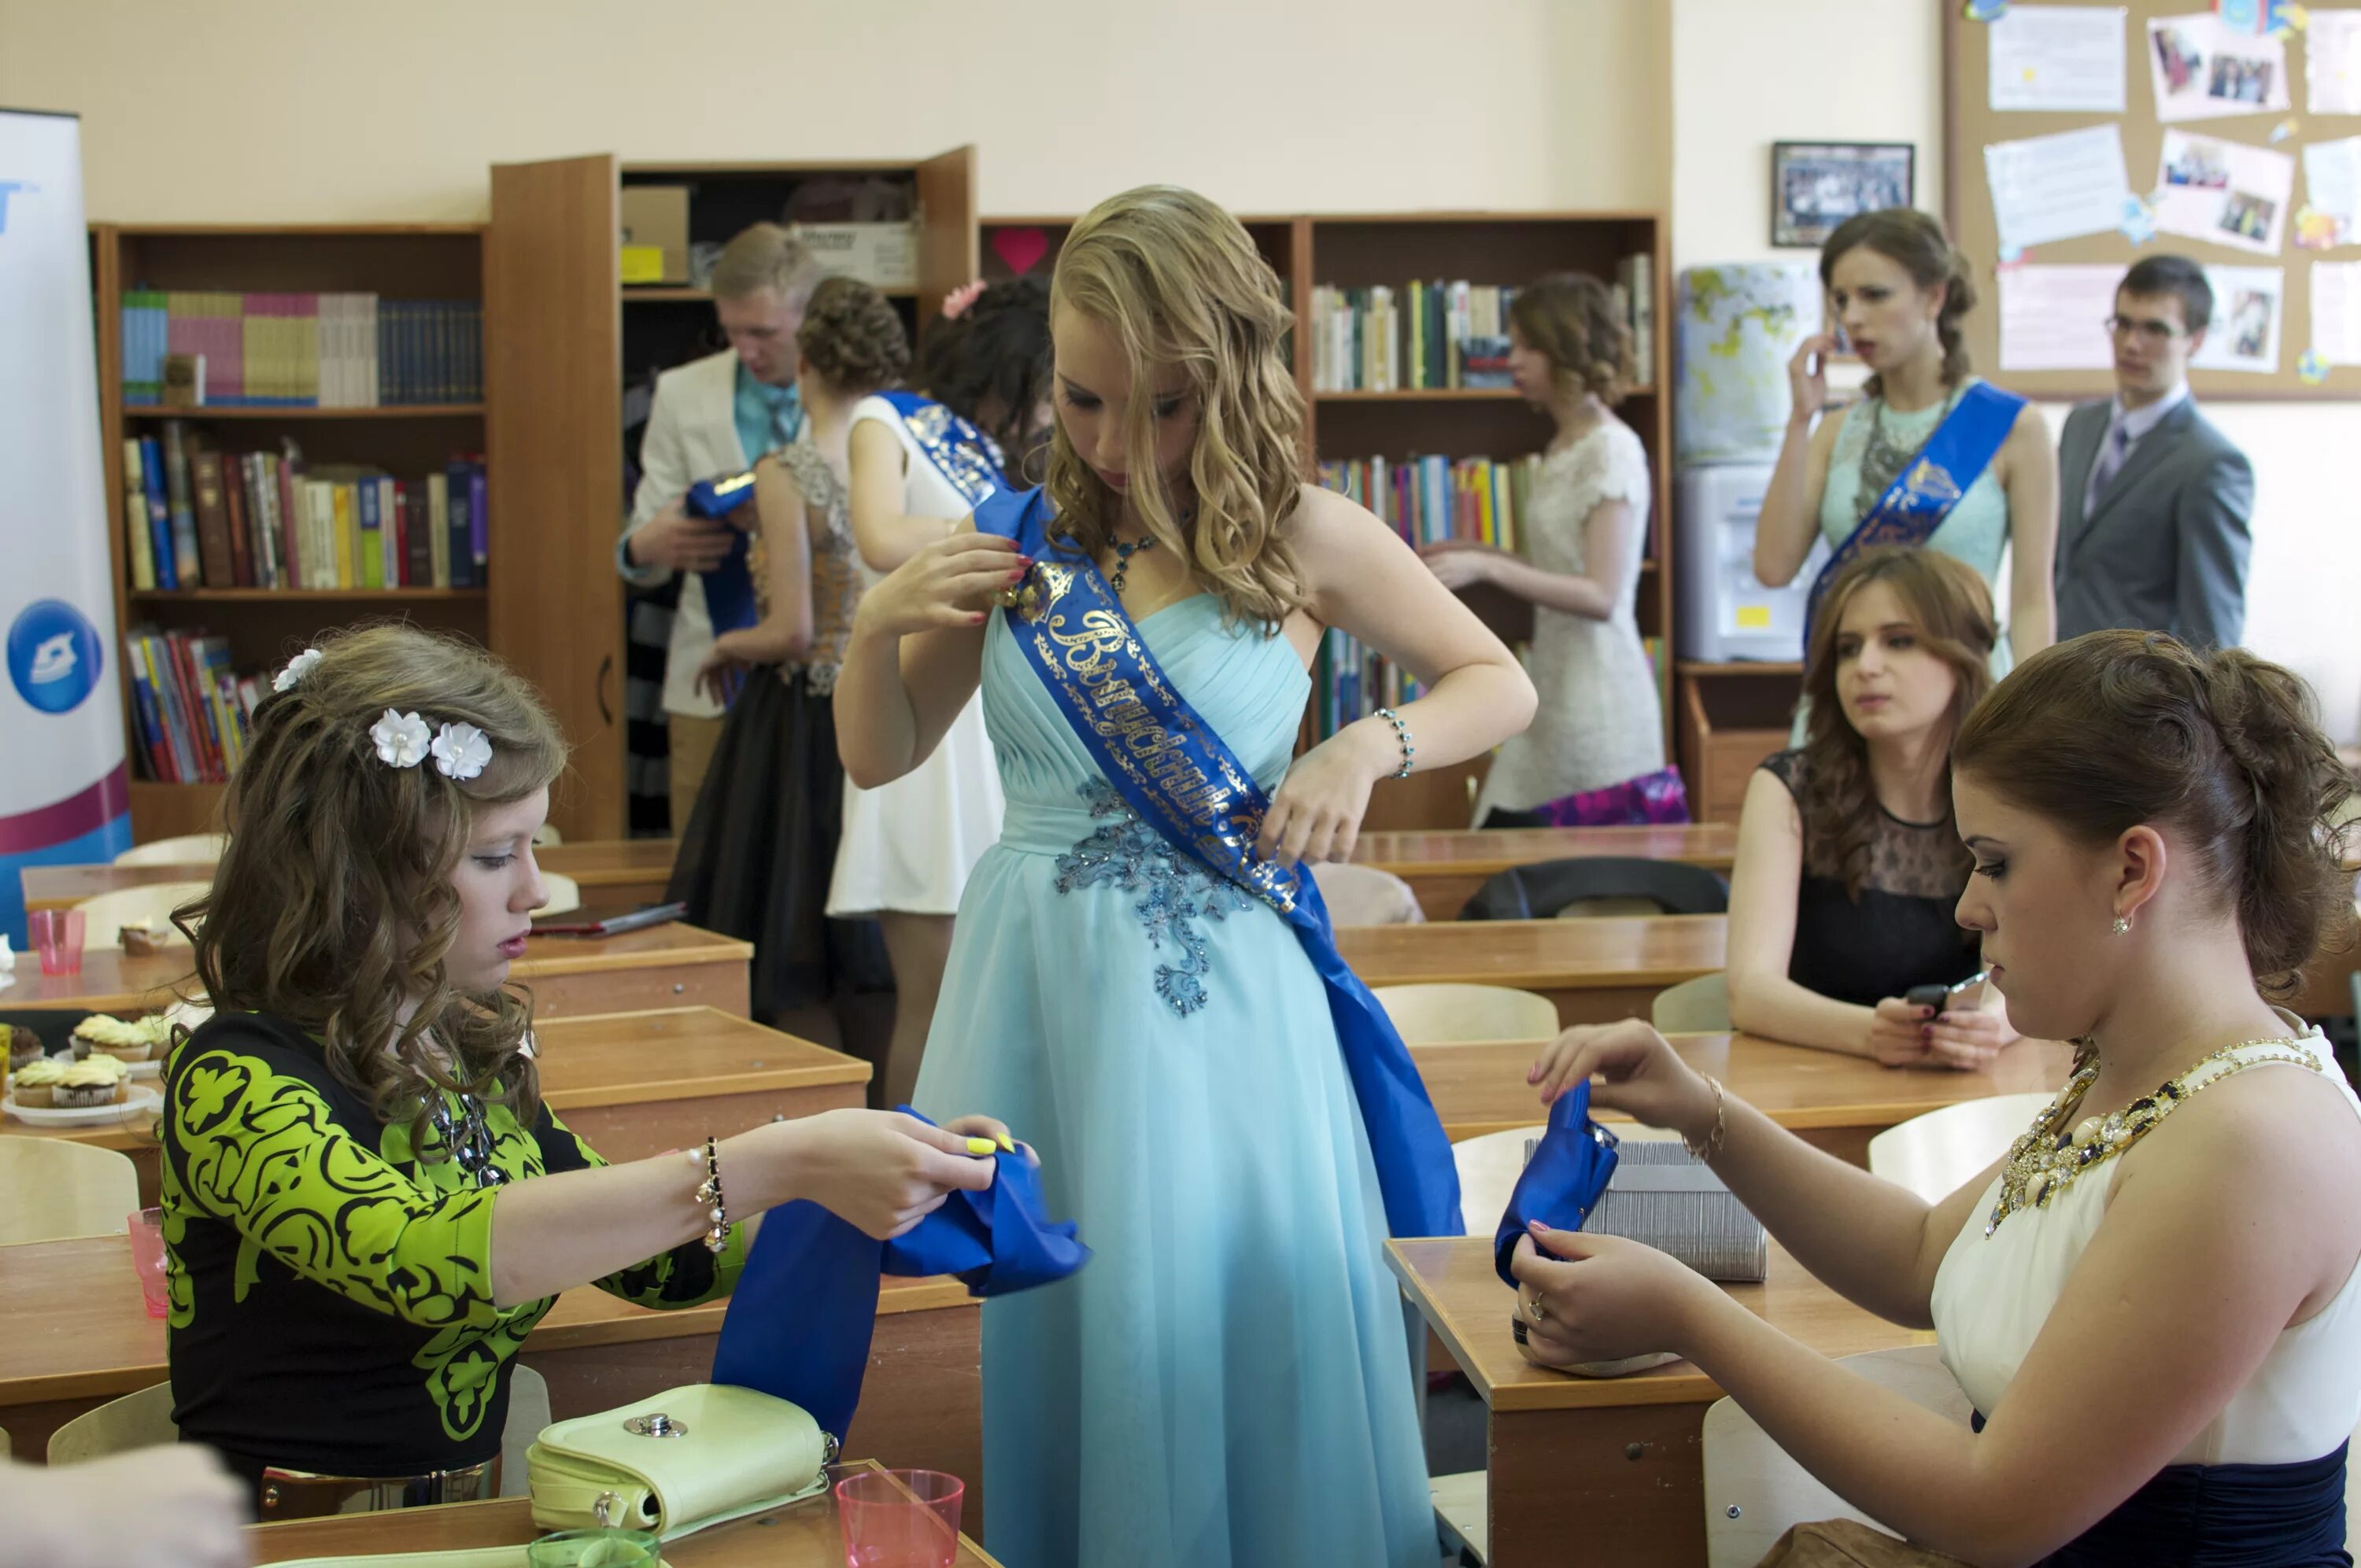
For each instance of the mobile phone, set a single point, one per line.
(588, 923)
(1968, 994)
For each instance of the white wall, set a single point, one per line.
(1747, 74)
(280, 110)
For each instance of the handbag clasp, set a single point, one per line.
(655, 1423)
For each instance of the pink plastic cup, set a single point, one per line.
(147, 1228)
(900, 1519)
(58, 932)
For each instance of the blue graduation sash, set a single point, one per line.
(1915, 505)
(1178, 777)
(968, 460)
(804, 1307)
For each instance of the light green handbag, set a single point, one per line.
(689, 1457)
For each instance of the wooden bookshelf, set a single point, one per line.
(264, 626)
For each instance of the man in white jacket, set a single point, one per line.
(712, 417)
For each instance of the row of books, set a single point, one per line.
(1426, 337)
(328, 351)
(190, 707)
(195, 518)
(1430, 500)
(1350, 680)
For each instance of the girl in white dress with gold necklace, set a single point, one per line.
(2152, 1301)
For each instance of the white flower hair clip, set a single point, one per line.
(401, 739)
(460, 750)
(297, 668)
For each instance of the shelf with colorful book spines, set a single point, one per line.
(342, 385)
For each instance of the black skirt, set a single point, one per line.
(759, 847)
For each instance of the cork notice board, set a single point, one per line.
(1972, 123)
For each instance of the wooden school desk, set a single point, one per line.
(633, 1084)
(1595, 970)
(611, 873)
(675, 965)
(804, 1535)
(1445, 869)
(1606, 1470)
(1834, 1103)
(79, 1334)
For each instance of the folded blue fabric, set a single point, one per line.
(1561, 1182)
(801, 1321)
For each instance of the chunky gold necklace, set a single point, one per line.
(2056, 1152)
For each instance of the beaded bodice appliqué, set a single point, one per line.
(1176, 890)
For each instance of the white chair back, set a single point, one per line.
(188, 849)
(1699, 1007)
(547, 835)
(1364, 895)
(135, 1420)
(104, 915)
(1754, 1493)
(1935, 1154)
(528, 1416)
(564, 893)
(58, 1190)
(1440, 1015)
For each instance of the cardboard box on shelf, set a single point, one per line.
(884, 255)
(655, 218)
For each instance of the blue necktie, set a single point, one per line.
(2111, 462)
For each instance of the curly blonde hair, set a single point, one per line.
(1570, 319)
(333, 905)
(852, 336)
(1178, 281)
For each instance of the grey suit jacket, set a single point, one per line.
(2165, 547)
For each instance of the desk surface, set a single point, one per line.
(113, 982)
(1453, 1284)
(607, 862)
(1713, 844)
(1538, 955)
(1479, 1087)
(804, 1536)
(618, 1059)
(77, 1328)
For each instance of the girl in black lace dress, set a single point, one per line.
(1848, 865)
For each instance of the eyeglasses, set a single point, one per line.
(2157, 332)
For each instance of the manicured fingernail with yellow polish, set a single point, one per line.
(1007, 1145)
(980, 1146)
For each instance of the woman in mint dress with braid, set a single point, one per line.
(1142, 985)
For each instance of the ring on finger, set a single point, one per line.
(1540, 1313)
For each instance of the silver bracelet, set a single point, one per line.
(1711, 1145)
(1402, 738)
(709, 1198)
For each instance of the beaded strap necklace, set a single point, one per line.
(2058, 1151)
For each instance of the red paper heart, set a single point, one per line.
(1020, 248)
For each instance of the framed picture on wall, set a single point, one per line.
(1816, 185)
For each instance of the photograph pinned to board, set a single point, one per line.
(2332, 63)
(2247, 314)
(1816, 185)
(2331, 213)
(2054, 317)
(2046, 189)
(2059, 59)
(2224, 192)
(2203, 71)
(2336, 312)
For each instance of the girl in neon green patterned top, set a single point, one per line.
(366, 1205)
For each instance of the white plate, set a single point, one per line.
(149, 1069)
(142, 1099)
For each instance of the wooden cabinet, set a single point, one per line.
(1731, 717)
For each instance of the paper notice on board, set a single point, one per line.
(2224, 192)
(2336, 312)
(2052, 318)
(2066, 59)
(2057, 187)
(2248, 305)
(2331, 63)
(2202, 70)
(2332, 191)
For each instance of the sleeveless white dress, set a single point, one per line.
(907, 847)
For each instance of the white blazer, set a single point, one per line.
(692, 435)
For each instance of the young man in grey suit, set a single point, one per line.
(713, 417)
(2154, 502)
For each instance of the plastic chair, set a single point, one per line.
(1550, 888)
(106, 913)
(564, 893)
(547, 835)
(188, 849)
(528, 1417)
(1699, 1007)
(1935, 1154)
(1446, 1015)
(135, 1420)
(1754, 1493)
(1364, 895)
(59, 1188)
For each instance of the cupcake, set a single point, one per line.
(101, 1080)
(24, 1046)
(36, 1083)
(122, 1040)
